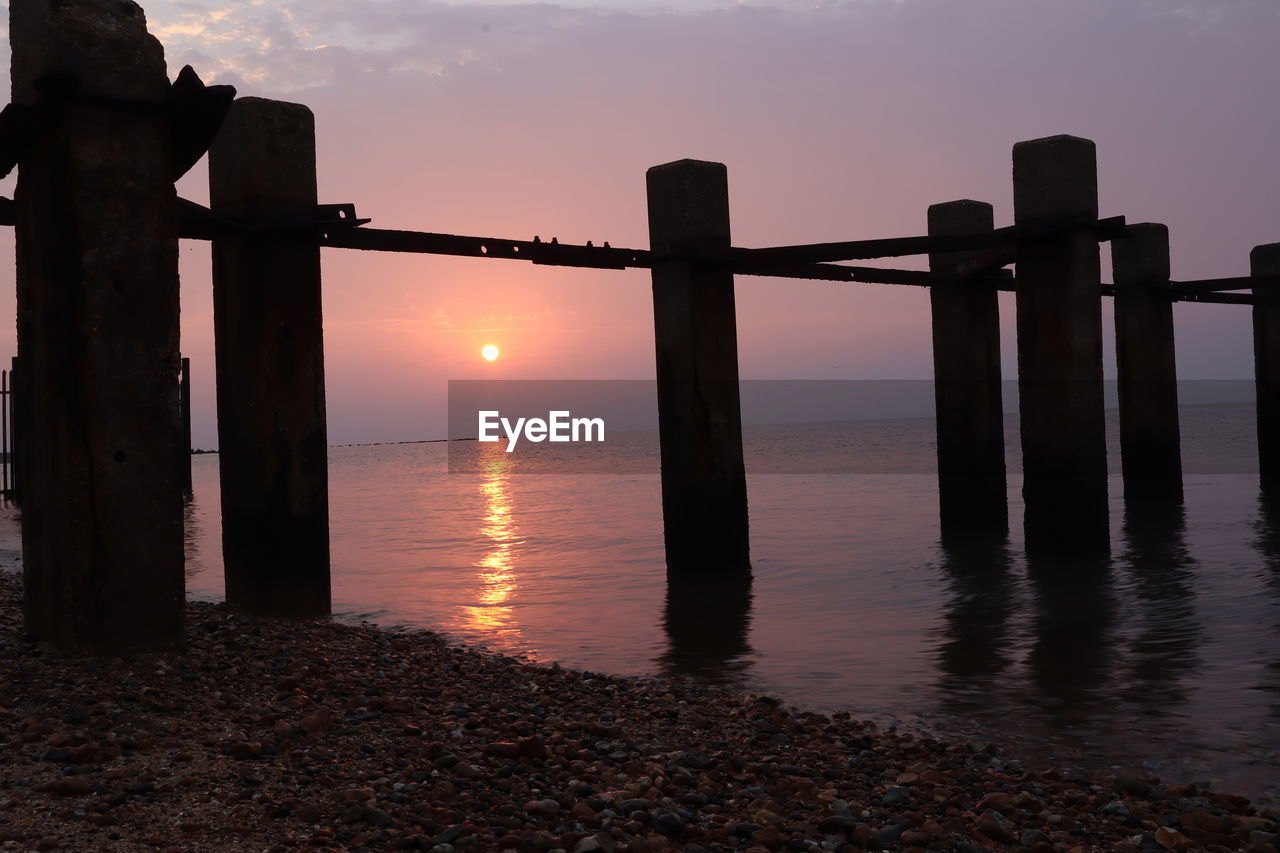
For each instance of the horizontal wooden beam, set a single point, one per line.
(199, 223)
(835, 272)
(603, 257)
(534, 251)
(1001, 279)
(1210, 297)
(1215, 285)
(1218, 298)
(856, 250)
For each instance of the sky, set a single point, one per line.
(836, 120)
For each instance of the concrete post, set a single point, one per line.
(1265, 260)
(97, 259)
(966, 374)
(704, 489)
(1145, 366)
(1059, 300)
(270, 363)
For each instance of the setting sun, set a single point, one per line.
(490, 352)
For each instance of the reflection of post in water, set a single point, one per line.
(1268, 545)
(496, 578)
(707, 622)
(1163, 575)
(191, 536)
(1073, 652)
(976, 623)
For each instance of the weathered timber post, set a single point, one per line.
(4, 433)
(1059, 298)
(972, 491)
(184, 397)
(16, 409)
(270, 362)
(1265, 260)
(97, 257)
(704, 488)
(1145, 367)
(17, 442)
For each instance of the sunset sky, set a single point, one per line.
(837, 121)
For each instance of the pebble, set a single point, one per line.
(1032, 837)
(836, 824)
(890, 834)
(503, 749)
(276, 736)
(1132, 785)
(667, 823)
(895, 797)
(542, 807)
(993, 828)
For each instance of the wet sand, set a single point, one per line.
(267, 735)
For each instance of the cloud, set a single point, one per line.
(837, 120)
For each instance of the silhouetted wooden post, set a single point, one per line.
(97, 258)
(184, 396)
(1059, 300)
(4, 433)
(704, 489)
(972, 491)
(1265, 260)
(1145, 367)
(17, 446)
(270, 362)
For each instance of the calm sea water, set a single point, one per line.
(1166, 657)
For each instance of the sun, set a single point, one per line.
(490, 352)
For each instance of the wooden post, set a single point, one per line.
(1059, 299)
(16, 445)
(966, 375)
(97, 259)
(184, 456)
(270, 363)
(4, 433)
(704, 489)
(1145, 367)
(1265, 260)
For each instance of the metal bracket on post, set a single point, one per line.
(331, 216)
(195, 112)
(200, 223)
(19, 126)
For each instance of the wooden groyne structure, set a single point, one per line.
(99, 135)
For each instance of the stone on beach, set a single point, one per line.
(264, 735)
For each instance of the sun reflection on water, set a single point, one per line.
(493, 612)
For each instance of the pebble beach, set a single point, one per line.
(265, 735)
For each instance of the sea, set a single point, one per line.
(1163, 659)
